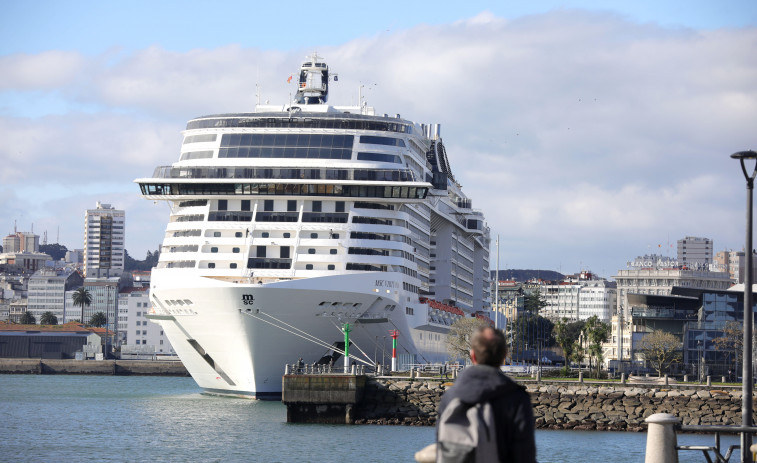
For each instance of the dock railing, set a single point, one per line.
(662, 443)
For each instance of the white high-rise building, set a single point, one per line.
(695, 252)
(47, 293)
(579, 297)
(104, 235)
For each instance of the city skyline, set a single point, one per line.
(589, 133)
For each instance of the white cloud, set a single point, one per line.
(585, 138)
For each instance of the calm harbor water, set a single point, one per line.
(115, 419)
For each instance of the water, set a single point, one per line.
(115, 419)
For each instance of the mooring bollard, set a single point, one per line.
(722, 379)
(709, 381)
(661, 439)
(580, 376)
(538, 376)
(685, 378)
(623, 379)
(667, 381)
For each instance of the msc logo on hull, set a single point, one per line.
(248, 299)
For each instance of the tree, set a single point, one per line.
(48, 318)
(459, 336)
(566, 336)
(660, 349)
(54, 250)
(82, 297)
(597, 333)
(97, 319)
(28, 319)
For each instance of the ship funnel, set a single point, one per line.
(435, 131)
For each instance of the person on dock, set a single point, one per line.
(509, 403)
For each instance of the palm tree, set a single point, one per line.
(28, 319)
(98, 320)
(48, 318)
(82, 298)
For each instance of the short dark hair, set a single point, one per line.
(489, 346)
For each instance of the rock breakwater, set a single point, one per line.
(581, 406)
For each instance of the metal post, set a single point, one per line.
(394, 334)
(346, 329)
(747, 380)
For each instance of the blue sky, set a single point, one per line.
(588, 132)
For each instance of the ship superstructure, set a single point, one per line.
(290, 221)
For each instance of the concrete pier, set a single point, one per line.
(93, 367)
(322, 398)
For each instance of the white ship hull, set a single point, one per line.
(236, 339)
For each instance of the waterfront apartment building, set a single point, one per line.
(104, 236)
(104, 292)
(695, 252)
(138, 336)
(47, 293)
(652, 275)
(579, 297)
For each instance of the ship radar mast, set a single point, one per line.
(313, 85)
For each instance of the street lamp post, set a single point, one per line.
(747, 380)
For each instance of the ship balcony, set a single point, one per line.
(269, 263)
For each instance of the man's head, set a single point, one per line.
(488, 347)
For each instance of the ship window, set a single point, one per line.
(287, 235)
(331, 267)
(332, 251)
(238, 234)
(265, 235)
(223, 204)
(216, 234)
(291, 205)
(235, 250)
(212, 265)
(317, 206)
(245, 204)
(268, 205)
(260, 251)
(339, 207)
(284, 252)
(387, 141)
(196, 155)
(314, 235)
(199, 138)
(233, 265)
(311, 251)
(309, 267)
(335, 235)
(379, 157)
(213, 249)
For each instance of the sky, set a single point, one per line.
(588, 132)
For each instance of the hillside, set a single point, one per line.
(525, 275)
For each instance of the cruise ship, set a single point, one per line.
(295, 222)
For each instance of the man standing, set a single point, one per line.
(484, 382)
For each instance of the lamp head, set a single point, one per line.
(745, 155)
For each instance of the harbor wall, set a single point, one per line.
(560, 406)
(92, 367)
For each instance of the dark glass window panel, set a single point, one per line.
(222, 204)
(260, 251)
